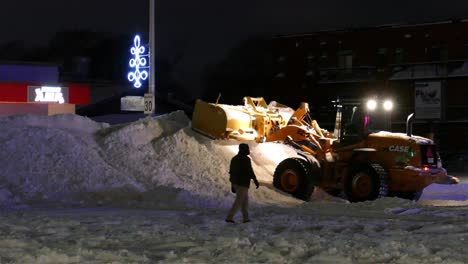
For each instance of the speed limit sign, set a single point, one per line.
(149, 104)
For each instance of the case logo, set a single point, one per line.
(396, 148)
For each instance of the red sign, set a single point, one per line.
(18, 93)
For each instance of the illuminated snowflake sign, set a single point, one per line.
(137, 63)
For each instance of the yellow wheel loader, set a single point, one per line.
(357, 160)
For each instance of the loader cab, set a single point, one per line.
(354, 125)
(358, 121)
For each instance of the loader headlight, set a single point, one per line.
(388, 105)
(371, 105)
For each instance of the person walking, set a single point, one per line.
(241, 173)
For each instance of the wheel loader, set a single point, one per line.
(357, 161)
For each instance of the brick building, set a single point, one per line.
(422, 67)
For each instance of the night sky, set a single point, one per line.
(205, 30)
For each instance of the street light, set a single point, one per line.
(141, 69)
(149, 97)
(152, 49)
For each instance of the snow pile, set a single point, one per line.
(458, 192)
(174, 155)
(54, 158)
(155, 161)
(72, 159)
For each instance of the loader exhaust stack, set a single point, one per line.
(409, 125)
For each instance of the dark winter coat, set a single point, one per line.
(241, 171)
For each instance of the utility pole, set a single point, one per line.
(152, 53)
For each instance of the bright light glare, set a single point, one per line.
(388, 105)
(371, 104)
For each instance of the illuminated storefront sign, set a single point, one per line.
(49, 94)
(428, 99)
(138, 63)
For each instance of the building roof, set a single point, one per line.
(377, 27)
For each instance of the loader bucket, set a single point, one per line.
(220, 121)
(209, 119)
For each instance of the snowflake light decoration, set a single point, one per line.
(138, 62)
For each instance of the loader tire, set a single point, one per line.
(366, 182)
(296, 177)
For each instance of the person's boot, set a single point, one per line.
(230, 221)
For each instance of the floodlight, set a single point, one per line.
(388, 105)
(371, 105)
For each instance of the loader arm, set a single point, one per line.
(255, 120)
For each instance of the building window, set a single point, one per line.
(439, 52)
(435, 53)
(399, 56)
(466, 51)
(310, 61)
(323, 74)
(324, 55)
(345, 59)
(310, 65)
(310, 56)
(444, 52)
(381, 57)
(281, 59)
(280, 75)
(323, 61)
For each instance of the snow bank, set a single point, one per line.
(72, 159)
(55, 158)
(155, 161)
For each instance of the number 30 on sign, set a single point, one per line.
(149, 104)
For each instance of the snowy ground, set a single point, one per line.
(76, 191)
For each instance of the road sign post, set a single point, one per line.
(148, 103)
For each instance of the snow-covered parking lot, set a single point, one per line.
(152, 191)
